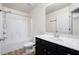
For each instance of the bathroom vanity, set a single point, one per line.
(64, 20)
(50, 45)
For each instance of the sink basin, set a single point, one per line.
(56, 35)
(54, 38)
(57, 39)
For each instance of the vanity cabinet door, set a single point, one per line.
(50, 47)
(61, 50)
(52, 50)
(72, 52)
(40, 49)
(56, 49)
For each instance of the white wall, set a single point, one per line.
(38, 19)
(11, 43)
(51, 26)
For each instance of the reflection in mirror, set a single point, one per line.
(75, 21)
(58, 18)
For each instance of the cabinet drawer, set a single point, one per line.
(50, 46)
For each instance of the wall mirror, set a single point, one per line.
(62, 18)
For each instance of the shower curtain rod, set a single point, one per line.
(13, 13)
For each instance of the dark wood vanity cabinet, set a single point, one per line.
(40, 49)
(44, 47)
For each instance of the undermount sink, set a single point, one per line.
(56, 35)
(54, 38)
(57, 39)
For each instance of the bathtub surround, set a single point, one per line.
(22, 22)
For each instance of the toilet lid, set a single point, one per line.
(29, 44)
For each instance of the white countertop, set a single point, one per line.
(70, 41)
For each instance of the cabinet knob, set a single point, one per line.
(48, 52)
(44, 49)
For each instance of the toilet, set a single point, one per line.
(29, 48)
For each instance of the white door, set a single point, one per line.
(63, 21)
(62, 24)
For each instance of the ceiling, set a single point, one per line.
(25, 7)
(56, 6)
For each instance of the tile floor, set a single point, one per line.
(21, 51)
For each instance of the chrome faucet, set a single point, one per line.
(56, 34)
